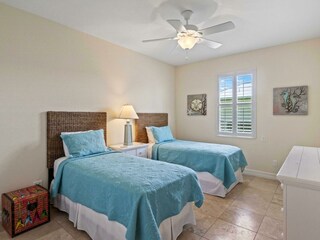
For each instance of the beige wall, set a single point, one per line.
(287, 65)
(46, 66)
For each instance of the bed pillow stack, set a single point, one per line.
(159, 134)
(79, 144)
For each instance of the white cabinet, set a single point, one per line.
(136, 149)
(300, 176)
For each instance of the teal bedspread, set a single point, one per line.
(219, 160)
(136, 192)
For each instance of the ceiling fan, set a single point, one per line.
(188, 35)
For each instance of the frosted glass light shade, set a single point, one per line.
(128, 112)
(187, 42)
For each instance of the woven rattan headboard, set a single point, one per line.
(149, 119)
(58, 122)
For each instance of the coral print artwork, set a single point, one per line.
(290, 101)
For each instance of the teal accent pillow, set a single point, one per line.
(86, 143)
(162, 134)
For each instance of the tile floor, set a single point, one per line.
(251, 211)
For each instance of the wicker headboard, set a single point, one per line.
(149, 119)
(58, 122)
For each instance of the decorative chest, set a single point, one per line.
(25, 209)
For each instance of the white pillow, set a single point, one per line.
(65, 148)
(150, 135)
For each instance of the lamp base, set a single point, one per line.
(127, 134)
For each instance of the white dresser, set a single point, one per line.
(300, 176)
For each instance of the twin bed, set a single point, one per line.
(112, 195)
(219, 167)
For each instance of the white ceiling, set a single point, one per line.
(259, 23)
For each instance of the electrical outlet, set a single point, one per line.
(38, 182)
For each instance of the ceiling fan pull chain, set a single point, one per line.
(187, 54)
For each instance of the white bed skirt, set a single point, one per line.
(214, 186)
(99, 227)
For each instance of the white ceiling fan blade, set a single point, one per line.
(217, 28)
(159, 39)
(177, 25)
(210, 43)
(173, 49)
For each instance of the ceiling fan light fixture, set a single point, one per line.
(187, 40)
(188, 35)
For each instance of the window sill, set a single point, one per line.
(236, 136)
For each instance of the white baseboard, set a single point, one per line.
(261, 174)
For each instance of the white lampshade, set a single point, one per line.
(128, 112)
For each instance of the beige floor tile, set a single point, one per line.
(62, 219)
(2, 230)
(3, 233)
(265, 180)
(242, 218)
(55, 212)
(274, 211)
(221, 201)
(59, 216)
(248, 178)
(257, 205)
(4, 236)
(59, 234)
(261, 237)
(236, 191)
(227, 231)
(264, 184)
(267, 187)
(39, 231)
(278, 198)
(203, 223)
(187, 235)
(272, 228)
(254, 193)
(74, 232)
(213, 207)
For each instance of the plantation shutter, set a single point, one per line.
(225, 102)
(244, 103)
(236, 108)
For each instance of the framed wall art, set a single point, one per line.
(290, 101)
(197, 104)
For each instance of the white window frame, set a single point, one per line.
(234, 133)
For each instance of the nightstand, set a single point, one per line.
(136, 149)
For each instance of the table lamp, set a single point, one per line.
(127, 112)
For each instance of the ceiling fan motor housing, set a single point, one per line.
(191, 27)
(186, 14)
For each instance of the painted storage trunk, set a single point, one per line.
(25, 209)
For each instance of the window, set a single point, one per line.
(237, 105)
